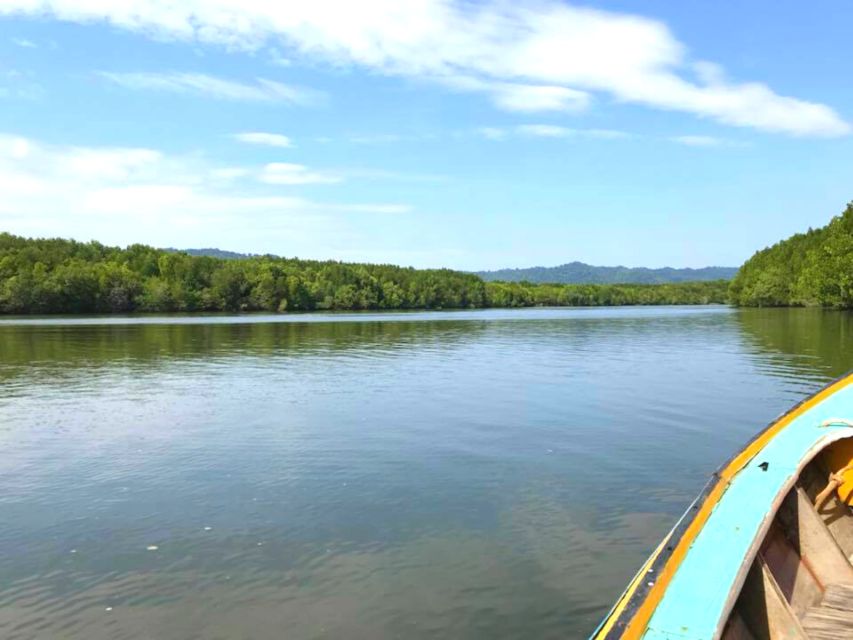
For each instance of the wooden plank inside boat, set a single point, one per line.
(736, 629)
(764, 608)
(833, 618)
(801, 583)
(813, 541)
(795, 580)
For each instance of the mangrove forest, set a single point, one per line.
(814, 268)
(44, 276)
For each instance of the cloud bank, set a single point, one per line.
(116, 193)
(541, 55)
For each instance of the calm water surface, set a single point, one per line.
(490, 474)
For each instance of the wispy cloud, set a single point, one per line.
(19, 85)
(491, 133)
(393, 176)
(530, 98)
(387, 138)
(561, 132)
(550, 131)
(277, 58)
(703, 141)
(545, 130)
(261, 90)
(122, 194)
(287, 173)
(265, 139)
(522, 98)
(627, 57)
(24, 43)
(372, 208)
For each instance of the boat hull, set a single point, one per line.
(689, 585)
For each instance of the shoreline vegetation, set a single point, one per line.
(56, 276)
(808, 269)
(47, 276)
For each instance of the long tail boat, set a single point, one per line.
(764, 552)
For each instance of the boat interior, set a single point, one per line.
(800, 584)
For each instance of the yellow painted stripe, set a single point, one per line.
(626, 596)
(638, 623)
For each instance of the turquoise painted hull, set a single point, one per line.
(701, 590)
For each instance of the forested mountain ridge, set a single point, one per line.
(64, 276)
(211, 252)
(582, 273)
(814, 268)
(570, 273)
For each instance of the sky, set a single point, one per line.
(471, 134)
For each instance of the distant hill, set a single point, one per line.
(580, 273)
(571, 273)
(212, 253)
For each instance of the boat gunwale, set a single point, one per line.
(629, 617)
(770, 516)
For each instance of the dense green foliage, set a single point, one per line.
(581, 273)
(526, 294)
(63, 276)
(808, 269)
(213, 253)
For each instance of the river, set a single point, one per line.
(476, 474)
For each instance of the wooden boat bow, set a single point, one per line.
(691, 585)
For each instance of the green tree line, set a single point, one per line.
(808, 269)
(526, 294)
(43, 276)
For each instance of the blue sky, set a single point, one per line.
(429, 133)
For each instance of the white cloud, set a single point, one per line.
(606, 134)
(382, 138)
(229, 173)
(528, 98)
(545, 130)
(554, 131)
(263, 138)
(491, 133)
(124, 195)
(393, 176)
(262, 90)
(544, 44)
(524, 98)
(24, 43)
(700, 141)
(372, 208)
(287, 173)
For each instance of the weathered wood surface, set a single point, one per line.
(813, 541)
(833, 618)
(839, 596)
(736, 629)
(795, 580)
(765, 610)
(836, 515)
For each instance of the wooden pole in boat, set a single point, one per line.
(835, 481)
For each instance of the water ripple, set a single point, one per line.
(468, 474)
